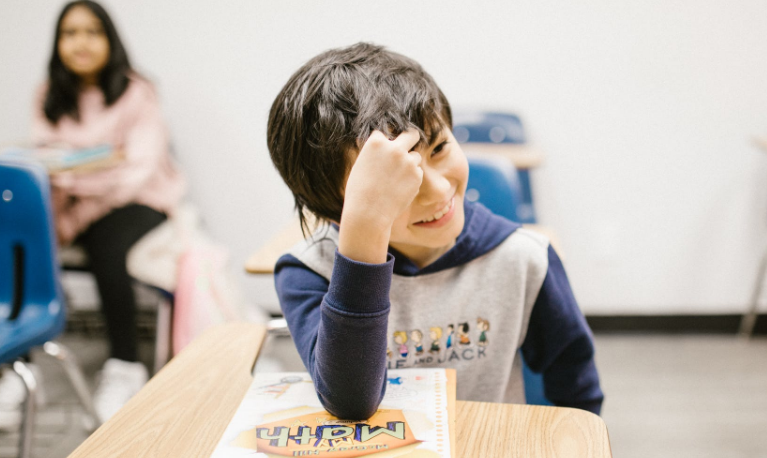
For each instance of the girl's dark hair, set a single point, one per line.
(64, 86)
(329, 108)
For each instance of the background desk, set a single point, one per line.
(523, 156)
(185, 408)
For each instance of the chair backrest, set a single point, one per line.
(494, 183)
(488, 127)
(31, 300)
(502, 130)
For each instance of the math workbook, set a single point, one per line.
(281, 416)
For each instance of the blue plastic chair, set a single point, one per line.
(31, 300)
(32, 309)
(499, 129)
(495, 184)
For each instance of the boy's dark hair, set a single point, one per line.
(64, 86)
(329, 108)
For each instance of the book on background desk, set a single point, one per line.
(59, 158)
(281, 416)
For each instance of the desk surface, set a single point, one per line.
(185, 408)
(522, 156)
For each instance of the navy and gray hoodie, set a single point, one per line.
(499, 290)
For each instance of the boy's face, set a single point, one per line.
(434, 220)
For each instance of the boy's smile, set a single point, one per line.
(440, 218)
(435, 218)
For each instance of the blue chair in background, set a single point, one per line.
(494, 182)
(32, 308)
(498, 130)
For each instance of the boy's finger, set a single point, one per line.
(420, 175)
(407, 139)
(415, 156)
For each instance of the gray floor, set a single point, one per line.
(667, 396)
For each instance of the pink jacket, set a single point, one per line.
(133, 125)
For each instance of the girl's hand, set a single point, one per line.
(383, 182)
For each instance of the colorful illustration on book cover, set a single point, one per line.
(281, 416)
(279, 388)
(320, 434)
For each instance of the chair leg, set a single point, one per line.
(30, 405)
(68, 361)
(163, 337)
(748, 321)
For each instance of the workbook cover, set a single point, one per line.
(281, 416)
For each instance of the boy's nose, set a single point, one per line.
(434, 189)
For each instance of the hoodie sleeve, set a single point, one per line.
(339, 328)
(559, 344)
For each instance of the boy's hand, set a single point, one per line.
(383, 182)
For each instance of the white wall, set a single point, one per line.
(644, 110)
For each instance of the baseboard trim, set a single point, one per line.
(673, 324)
(91, 323)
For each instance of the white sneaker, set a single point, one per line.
(13, 393)
(120, 380)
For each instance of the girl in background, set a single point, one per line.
(93, 97)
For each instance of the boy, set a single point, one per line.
(362, 136)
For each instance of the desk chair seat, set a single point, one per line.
(32, 310)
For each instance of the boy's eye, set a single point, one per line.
(439, 148)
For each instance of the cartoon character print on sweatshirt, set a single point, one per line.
(417, 337)
(450, 335)
(459, 345)
(400, 338)
(483, 325)
(463, 334)
(435, 333)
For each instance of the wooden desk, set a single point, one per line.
(522, 156)
(263, 260)
(184, 410)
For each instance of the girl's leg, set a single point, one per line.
(107, 242)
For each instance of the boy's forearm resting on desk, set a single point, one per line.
(340, 330)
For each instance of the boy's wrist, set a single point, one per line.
(364, 237)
